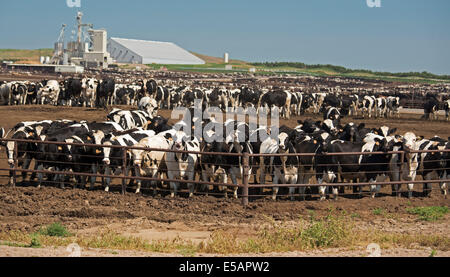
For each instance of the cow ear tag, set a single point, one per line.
(30, 133)
(59, 148)
(376, 133)
(377, 143)
(98, 151)
(170, 139)
(89, 138)
(315, 141)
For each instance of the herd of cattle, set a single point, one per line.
(118, 145)
(91, 92)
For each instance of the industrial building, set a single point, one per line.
(92, 49)
(149, 52)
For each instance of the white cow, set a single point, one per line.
(149, 163)
(181, 165)
(89, 91)
(149, 105)
(50, 92)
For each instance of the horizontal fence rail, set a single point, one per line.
(247, 168)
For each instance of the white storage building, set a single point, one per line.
(148, 52)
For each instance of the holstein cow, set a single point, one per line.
(72, 90)
(368, 105)
(105, 90)
(130, 119)
(181, 166)
(285, 169)
(393, 105)
(149, 105)
(89, 90)
(277, 98)
(150, 163)
(113, 158)
(447, 109)
(431, 107)
(50, 92)
(432, 165)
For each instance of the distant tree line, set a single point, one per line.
(343, 70)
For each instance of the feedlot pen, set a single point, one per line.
(248, 189)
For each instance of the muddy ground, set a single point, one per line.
(27, 208)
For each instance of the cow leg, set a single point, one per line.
(302, 180)
(107, 179)
(275, 189)
(60, 178)
(235, 188)
(427, 186)
(191, 186)
(174, 189)
(322, 189)
(426, 189)
(137, 173)
(410, 190)
(40, 175)
(124, 181)
(291, 193)
(33, 175)
(396, 187)
(205, 178)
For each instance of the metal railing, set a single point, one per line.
(248, 167)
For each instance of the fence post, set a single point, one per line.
(124, 170)
(16, 164)
(245, 177)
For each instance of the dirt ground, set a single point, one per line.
(26, 208)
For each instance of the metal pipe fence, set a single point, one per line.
(248, 168)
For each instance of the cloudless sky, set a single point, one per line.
(402, 35)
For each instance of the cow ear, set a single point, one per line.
(392, 131)
(168, 136)
(299, 122)
(361, 126)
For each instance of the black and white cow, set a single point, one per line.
(49, 93)
(149, 105)
(72, 90)
(105, 90)
(181, 166)
(285, 168)
(89, 91)
(113, 157)
(277, 98)
(393, 106)
(431, 107)
(130, 119)
(380, 107)
(162, 96)
(150, 163)
(447, 109)
(368, 105)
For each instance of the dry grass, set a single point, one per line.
(327, 232)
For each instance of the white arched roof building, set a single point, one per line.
(147, 52)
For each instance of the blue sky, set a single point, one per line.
(402, 35)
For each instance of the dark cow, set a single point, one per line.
(151, 87)
(72, 91)
(159, 124)
(431, 107)
(105, 90)
(447, 109)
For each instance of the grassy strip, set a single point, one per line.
(326, 232)
(429, 213)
